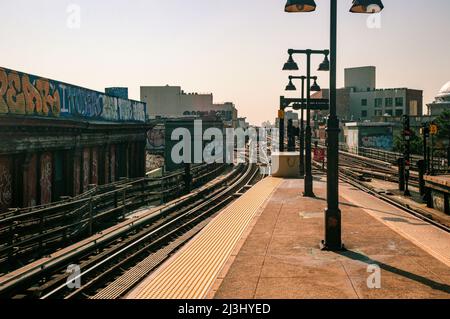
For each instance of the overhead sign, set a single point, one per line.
(434, 129)
(314, 104)
(319, 154)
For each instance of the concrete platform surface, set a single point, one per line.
(390, 254)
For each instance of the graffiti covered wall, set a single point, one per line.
(5, 183)
(46, 178)
(86, 169)
(384, 142)
(376, 137)
(156, 139)
(30, 182)
(29, 95)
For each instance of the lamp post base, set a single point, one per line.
(324, 247)
(309, 194)
(333, 235)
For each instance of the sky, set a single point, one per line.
(232, 48)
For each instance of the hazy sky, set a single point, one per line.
(232, 48)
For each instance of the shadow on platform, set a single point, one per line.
(423, 280)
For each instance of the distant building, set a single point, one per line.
(360, 100)
(173, 102)
(290, 115)
(365, 105)
(242, 123)
(227, 112)
(342, 106)
(441, 102)
(361, 78)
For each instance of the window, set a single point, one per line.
(398, 112)
(413, 108)
(378, 113)
(398, 101)
(389, 112)
(389, 102)
(364, 102)
(363, 113)
(378, 102)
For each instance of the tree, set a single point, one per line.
(443, 123)
(416, 143)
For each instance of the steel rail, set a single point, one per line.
(152, 233)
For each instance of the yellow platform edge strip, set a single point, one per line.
(191, 272)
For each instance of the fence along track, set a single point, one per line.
(30, 233)
(130, 279)
(26, 280)
(143, 243)
(348, 175)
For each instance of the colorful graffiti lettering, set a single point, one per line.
(29, 95)
(156, 139)
(384, 142)
(18, 95)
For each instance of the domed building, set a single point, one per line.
(441, 102)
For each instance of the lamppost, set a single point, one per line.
(333, 240)
(291, 65)
(314, 88)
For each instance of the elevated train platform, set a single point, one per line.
(266, 245)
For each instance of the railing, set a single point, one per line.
(440, 161)
(32, 232)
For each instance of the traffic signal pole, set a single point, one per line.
(407, 151)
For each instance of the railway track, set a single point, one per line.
(358, 171)
(365, 168)
(367, 189)
(112, 255)
(29, 234)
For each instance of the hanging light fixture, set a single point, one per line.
(325, 65)
(300, 6)
(290, 65)
(367, 6)
(315, 87)
(291, 86)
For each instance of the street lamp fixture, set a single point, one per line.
(367, 6)
(325, 65)
(302, 121)
(290, 65)
(300, 6)
(308, 192)
(291, 86)
(333, 227)
(315, 87)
